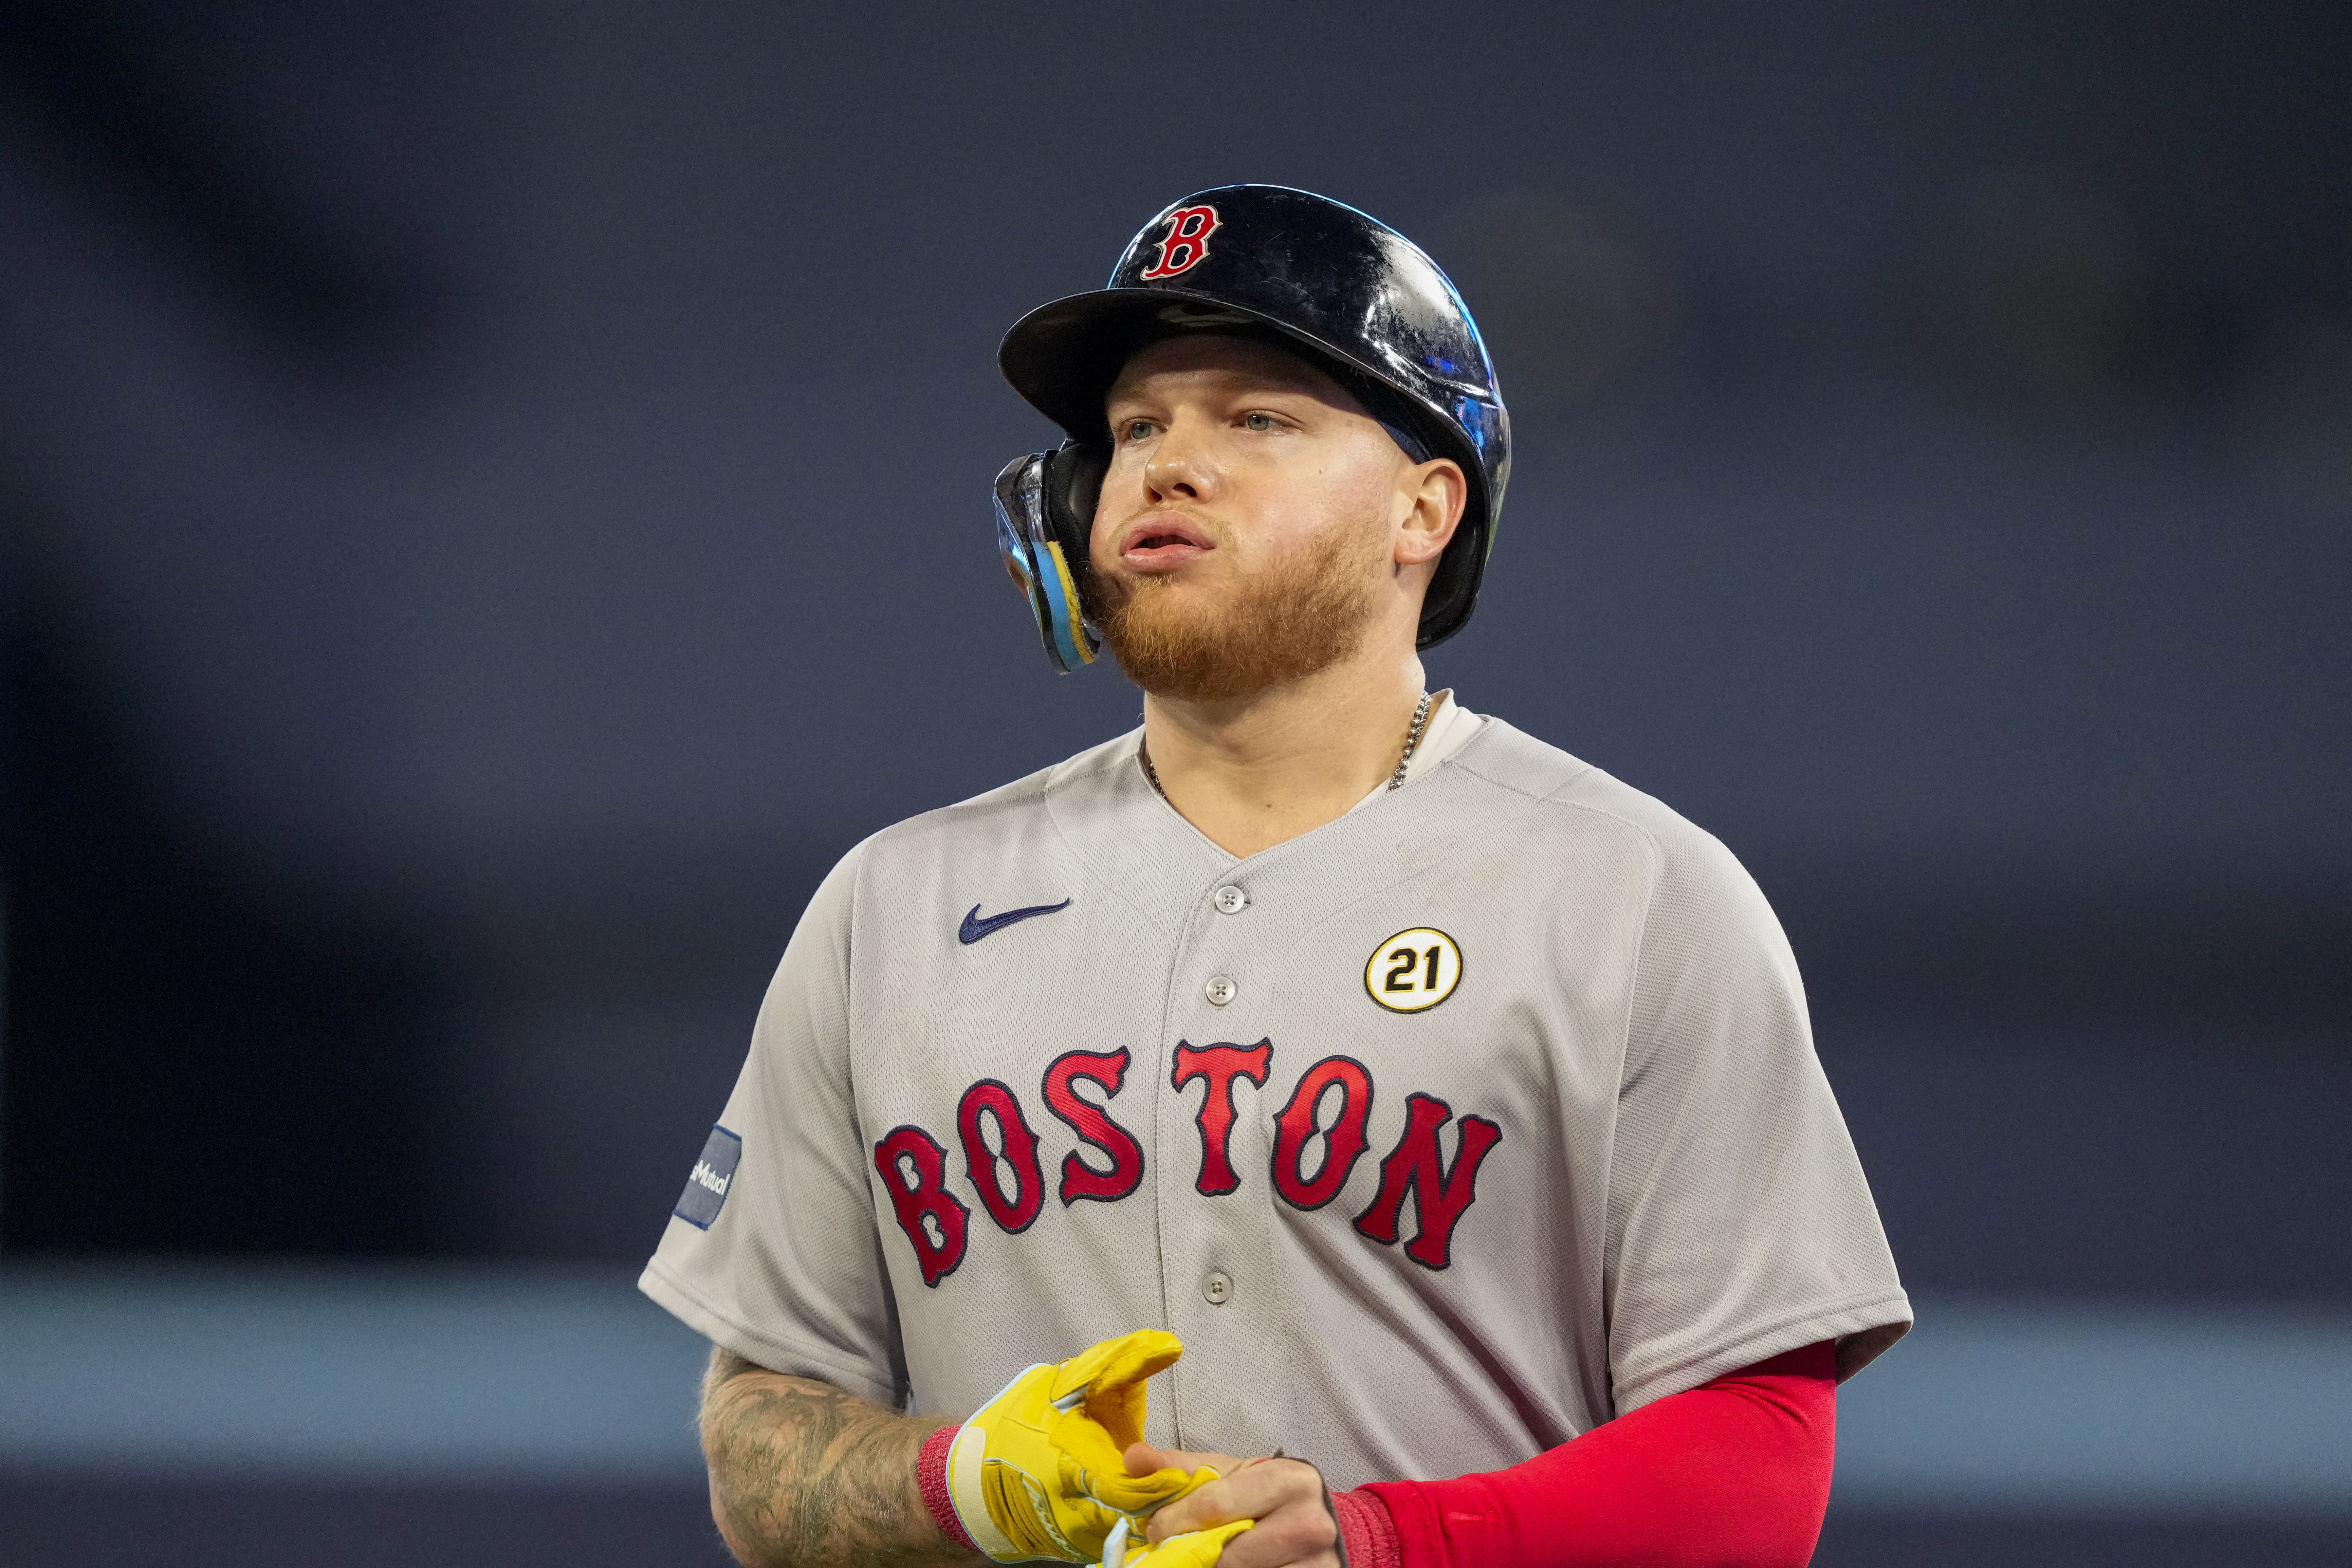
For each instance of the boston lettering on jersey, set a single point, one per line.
(1001, 1151)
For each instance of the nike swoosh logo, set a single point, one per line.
(974, 928)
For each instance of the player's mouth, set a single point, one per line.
(1161, 543)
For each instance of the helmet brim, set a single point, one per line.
(1063, 356)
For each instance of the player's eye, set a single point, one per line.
(1138, 430)
(1260, 423)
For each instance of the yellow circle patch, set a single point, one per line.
(1413, 970)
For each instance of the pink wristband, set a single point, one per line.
(1367, 1530)
(931, 1477)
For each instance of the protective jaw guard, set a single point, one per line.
(1045, 516)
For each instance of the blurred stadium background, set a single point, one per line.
(492, 503)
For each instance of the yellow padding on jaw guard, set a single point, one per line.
(1074, 631)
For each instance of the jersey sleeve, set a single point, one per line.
(1740, 1222)
(784, 1266)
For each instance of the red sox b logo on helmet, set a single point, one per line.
(1187, 245)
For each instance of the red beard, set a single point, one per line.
(1305, 613)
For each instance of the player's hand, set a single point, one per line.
(1040, 1470)
(1284, 1498)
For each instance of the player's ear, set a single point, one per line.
(1435, 493)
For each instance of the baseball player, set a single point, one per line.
(1324, 1126)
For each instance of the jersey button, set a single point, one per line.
(1217, 1289)
(1230, 901)
(1220, 990)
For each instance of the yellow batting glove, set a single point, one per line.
(1041, 1471)
(1195, 1549)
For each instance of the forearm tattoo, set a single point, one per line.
(805, 1476)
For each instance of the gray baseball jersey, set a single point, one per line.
(1439, 1134)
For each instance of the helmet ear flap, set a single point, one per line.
(1044, 512)
(1074, 481)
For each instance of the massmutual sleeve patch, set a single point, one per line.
(707, 1183)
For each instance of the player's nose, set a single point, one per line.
(1181, 467)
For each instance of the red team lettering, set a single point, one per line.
(1343, 1141)
(1001, 1158)
(1093, 1126)
(1016, 1151)
(1439, 1195)
(1219, 1065)
(914, 1167)
(1187, 244)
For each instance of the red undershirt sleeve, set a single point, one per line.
(1732, 1474)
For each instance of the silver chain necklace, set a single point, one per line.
(1396, 779)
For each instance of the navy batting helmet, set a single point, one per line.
(1358, 297)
